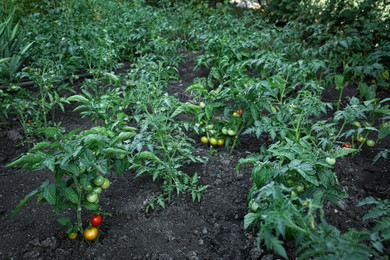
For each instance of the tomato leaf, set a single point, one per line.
(115, 151)
(91, 206)
(249, 219)
(384, 132)
(122, 137)
(40, 146)
(25, 200)
(71, 195)
(78, 98)
(65, 221)
(49, 193)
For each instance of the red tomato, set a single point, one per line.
(96, 220)
(347, 145)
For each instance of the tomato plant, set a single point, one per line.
(96, 220)
(78, 167)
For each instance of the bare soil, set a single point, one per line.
(210, 229)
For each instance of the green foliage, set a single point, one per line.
(12, 48)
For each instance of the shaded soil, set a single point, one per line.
(210, 229)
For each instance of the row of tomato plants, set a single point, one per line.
(133, 130)
(292, 177)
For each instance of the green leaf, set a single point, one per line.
(340, 152)
(277, 246)
(25, 200)
(202, 89)
(40, 146)
(122, 137)
(384, 132)
(71, 195)
(29, 160)
(49, 131)
(115, 151)
(49, 194)
(78, 98)
(65, 221)
(91, 206)
(147, 155)
(249, 219)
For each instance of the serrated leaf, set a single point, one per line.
(24, 201)
(122, 137)
(249, 219)
(374, 213)
(202, 89)
(49, 194)
(91, 206)
(40, 146)
(71, 195)
(115, 151)
(147, 155)
(29, 160)
(49, 131)
(65, 221)
(78, 98)
(384, 132)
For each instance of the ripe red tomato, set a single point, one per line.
(91, 233)
(347, 145)
(96, 220)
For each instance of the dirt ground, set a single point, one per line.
(210, 229)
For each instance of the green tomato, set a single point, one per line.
(300, 187)
(88, 187)
(83, 168)
(98, 181)
(106, 184)
(370, 143)
(97, 190)
(224, 131)
(231, 132)
(253, 206)
(92, 197)
(202, 104)
(357, 124)
(360, 138)
(330, 160)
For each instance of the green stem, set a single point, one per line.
(339, 100)
(78, 210)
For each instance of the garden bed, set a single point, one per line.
(210, 229)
